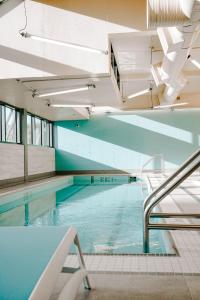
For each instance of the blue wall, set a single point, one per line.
(126, 141)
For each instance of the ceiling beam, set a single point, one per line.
(136, 76)
(83, 112)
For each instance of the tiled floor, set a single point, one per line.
(137, 287)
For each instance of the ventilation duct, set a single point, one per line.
(166, 13)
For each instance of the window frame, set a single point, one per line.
(3, 125)
(50, 132)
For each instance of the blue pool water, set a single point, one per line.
(106, 211)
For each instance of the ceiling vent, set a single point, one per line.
(166, 13)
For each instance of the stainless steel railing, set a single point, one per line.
(188, 167)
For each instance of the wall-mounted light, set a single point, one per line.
(74, 90)
(170, 105)
(139, 93)
(70, 105)
(61, 43)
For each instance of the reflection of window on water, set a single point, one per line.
(101, 179)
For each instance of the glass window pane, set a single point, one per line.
(37, 130)
(47, 135)
(18, 127)
(3, 124)
(10, 125)
(43, 132)
(0, 123)
(45, 141)
(29, 130)
(50, 135)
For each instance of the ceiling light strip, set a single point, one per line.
(139, 93)
(74, 90)
(62, 43)
(170, 105)
(70, 105)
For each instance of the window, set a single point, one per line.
(29, 130)
(10, 124)
(39, 131)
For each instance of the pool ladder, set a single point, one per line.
(172, 182)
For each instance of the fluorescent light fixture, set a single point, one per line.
(139, 93)
(171, 105)
(61, 43)
(104, 109)
(195, 63)
(74, 90)
(70, 105)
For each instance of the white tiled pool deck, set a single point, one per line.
(186, 198)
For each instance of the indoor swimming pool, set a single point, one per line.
(107, 212)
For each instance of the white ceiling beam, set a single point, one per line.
(83, 112)
(136, 76)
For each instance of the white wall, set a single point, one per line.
(40, 160)
(11, 161)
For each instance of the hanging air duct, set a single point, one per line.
(166, 13)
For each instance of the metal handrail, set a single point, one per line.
(149, 160)
(170, 178)
(149, 206)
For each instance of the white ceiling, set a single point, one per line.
(135, 52)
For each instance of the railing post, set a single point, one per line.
(81, 262)
(146, 234)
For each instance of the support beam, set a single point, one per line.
(83, 112)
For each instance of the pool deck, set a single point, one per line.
(186, 198)
(31, 184)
